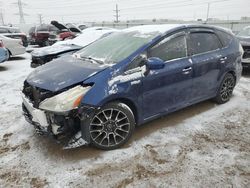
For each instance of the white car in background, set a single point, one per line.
(14, 46)
(46, 54)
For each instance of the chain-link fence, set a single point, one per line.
(235, 26)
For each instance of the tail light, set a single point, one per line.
(20, 42)
(1, 44)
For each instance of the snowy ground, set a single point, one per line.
(206, 145)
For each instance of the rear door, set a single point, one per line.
(204, 47)
(168, 88)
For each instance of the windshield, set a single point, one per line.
(116, 46)
(245, 32)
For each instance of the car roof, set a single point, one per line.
(164, 28)
(99, 28)
(153, 28)
(8, 27)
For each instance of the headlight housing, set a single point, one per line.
(65, 101)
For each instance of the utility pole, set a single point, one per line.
(208, 9)
(40, 16)
(1, 17)
(21, 13)
(116, 13)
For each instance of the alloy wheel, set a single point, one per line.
(109, 127)
(227, 88)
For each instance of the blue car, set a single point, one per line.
(4, 55)
(98, 95)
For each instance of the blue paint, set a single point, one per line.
(3, 55)
(156, 89)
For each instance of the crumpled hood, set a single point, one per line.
(54, 50)
(58, 25)
(63, 72)
(244, 40)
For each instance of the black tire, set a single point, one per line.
(226, 89)
(111, 126)
(8, 55)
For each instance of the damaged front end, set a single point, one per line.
(67, 127)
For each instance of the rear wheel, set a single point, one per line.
(111, 126)
(226, 89)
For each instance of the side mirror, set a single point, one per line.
(155, 63)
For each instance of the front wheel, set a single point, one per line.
(226, 89)
(7, 55)
(111, 126)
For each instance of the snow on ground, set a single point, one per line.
(205, 145)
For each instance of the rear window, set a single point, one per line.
(46, 28)
(202, 42)
(225, 38)
(32, 30)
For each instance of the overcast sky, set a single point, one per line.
(102, 10)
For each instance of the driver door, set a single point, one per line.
(169, 88)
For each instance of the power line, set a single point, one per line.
(129, 9)
(92, 3)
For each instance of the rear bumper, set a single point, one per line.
(18, 51)
(66, 129)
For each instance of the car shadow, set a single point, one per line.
(172, 119)
(16, 58)
(85, 152)
(2, 68)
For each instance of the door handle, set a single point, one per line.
(223, 60)
(187, 70)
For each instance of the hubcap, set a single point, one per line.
(227, 89)
(109, 127)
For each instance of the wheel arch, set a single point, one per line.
(229, 71)
(9, 51)
(233, 73)
(129, 103)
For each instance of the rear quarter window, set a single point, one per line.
(225, 38)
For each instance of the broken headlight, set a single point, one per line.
(65, 101)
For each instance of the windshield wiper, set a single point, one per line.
(92, 59)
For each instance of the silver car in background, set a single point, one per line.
(14, 46)
(244, 37)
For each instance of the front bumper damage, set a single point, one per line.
(68, 129)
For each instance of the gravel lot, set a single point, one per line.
(205, 145)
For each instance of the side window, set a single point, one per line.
(201, 42)
(170, 49)
(137, 62)
(226, 38)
